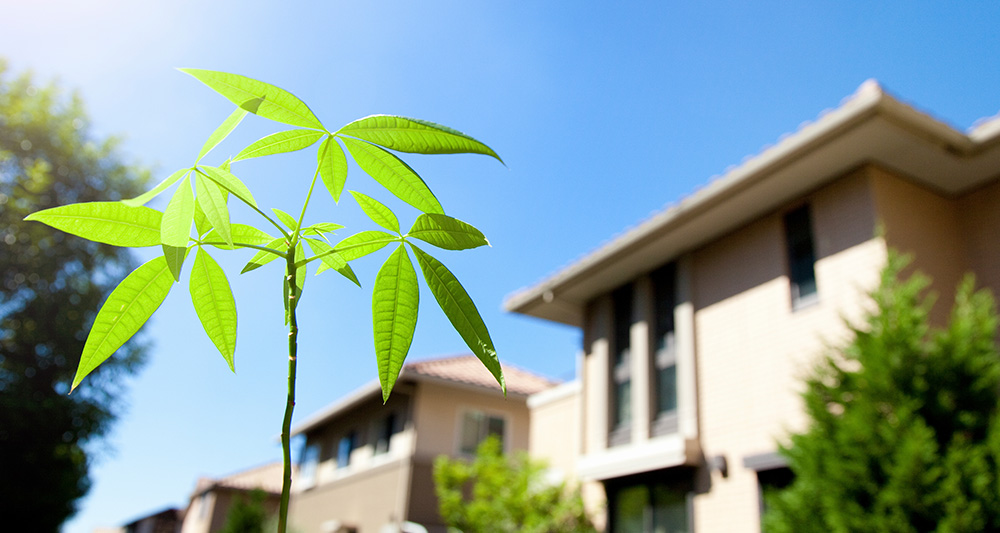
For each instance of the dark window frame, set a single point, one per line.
(350, 439)
(385, 430)
(801, 256)
(663, 352)
(678, 481)
(620, 366)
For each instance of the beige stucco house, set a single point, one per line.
(699, 323)
(367, 467)
(210, 502)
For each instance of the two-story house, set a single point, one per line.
(699, 323)
(367, 467)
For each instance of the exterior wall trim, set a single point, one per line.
(759, 462)
(658, 453)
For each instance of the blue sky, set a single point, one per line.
(603, 112)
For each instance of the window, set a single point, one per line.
(770, 482)
(664, 353)
(308, 464)
(801, 256)
(348, 443)
(652, 506)
(386, 429)
(621, 372)
(476, 427)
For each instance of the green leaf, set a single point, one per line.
(175, 227)
(379, 213)
(212, 201)
(222, 132)
(332, 167)
(262, 257)
(394, 316)
(127, 308)
(280, 143)
(155, 191)
(286, 219)
(214, 303)
(364, 243)
(242, 234)
(446, 232)
(201, 223)
(332, 259)
(414, 136)
(262, 99)
(461, 311)
(107, 222)
(394, 175)
(321, 227)
(229, 182)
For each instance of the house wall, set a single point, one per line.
(554, 436)
(753, 348)
(370, 491)
(367, 500)
(437, 413)
(980, 224)
(926, 225)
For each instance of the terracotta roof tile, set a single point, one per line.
(266, 477)
(468, 369)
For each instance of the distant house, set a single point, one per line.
(165, 521)
(699, 322)
(212, 499)
(367, 467)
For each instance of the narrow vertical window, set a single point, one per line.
(801, 256)
(308, 464)
(345, 447)
(386, 428)
(664, 352)
(621, 372)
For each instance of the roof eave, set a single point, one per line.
(549, 298)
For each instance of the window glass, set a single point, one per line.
(669, 509)
(664, 363)
(476, 427)
(621, 364)
(649, 507)
(386, 428)
(345, 447)
(801, 254)
(307, 465)
(629, 509)
(666, 389)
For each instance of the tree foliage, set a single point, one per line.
(51, 284)
(905, 435)
(505, 493)
(248, 514)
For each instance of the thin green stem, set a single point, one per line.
(293, 334)
(305, 204)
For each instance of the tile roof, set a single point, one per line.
(469, 370)
(266, 477)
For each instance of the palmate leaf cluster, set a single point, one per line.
(496, 493)
(51, 285)
(905, 433)
(201, 199)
